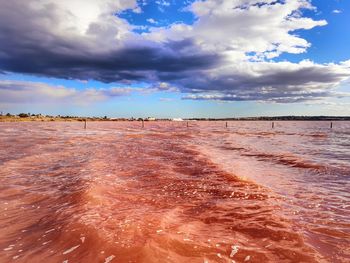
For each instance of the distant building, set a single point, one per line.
(177, 119)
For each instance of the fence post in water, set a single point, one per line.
(273, 125)
(85, 125)
(226, 124)
(143, 124)
(187, 124)
(331, 125)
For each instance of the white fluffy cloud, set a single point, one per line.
(262, 27)
(248, 34)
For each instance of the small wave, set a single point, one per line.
(284, 159)
(287, 159)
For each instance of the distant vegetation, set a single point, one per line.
(8, 117)
(40, 117)
(23, 115)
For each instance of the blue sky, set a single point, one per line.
(160, 14)
(330, 43)
(172, 58)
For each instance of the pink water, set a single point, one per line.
(168, 193)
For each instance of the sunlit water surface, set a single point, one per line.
(169, 193)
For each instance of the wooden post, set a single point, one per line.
(273, 125)
(85, 125)
(187, 124)
(226, 124)
(143, 125)
(331, 125)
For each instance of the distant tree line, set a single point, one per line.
(262, 118)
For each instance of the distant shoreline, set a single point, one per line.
(41, 118)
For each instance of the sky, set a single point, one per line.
(171, 59)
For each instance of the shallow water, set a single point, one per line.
(167, 193)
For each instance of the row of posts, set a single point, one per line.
(226, 124)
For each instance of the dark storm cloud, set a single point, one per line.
(59, 60)
(27, 47)
(125, 64)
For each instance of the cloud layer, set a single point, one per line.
(281, 82)
(14, 92)
(225, 55)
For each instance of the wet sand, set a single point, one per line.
(165, 193)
